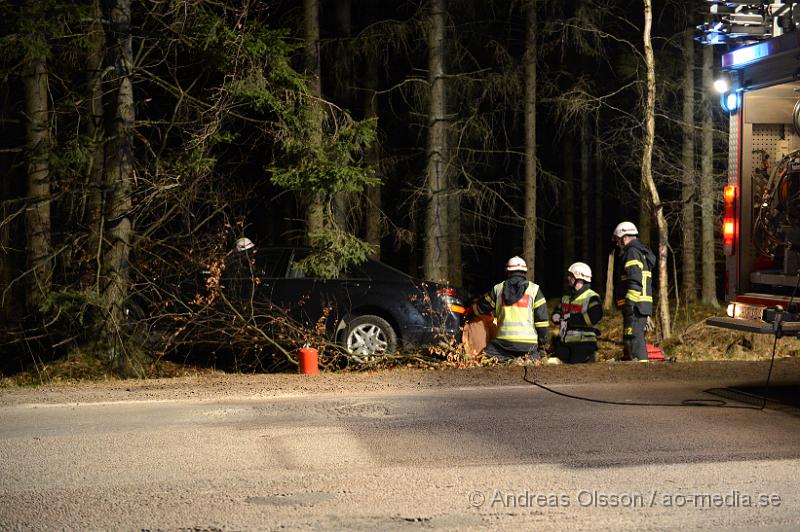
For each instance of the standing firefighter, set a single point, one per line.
(579, 312)
(633, 289)
(521, 312)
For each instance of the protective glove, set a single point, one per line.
(650, 325)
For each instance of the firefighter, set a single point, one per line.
(521, 311)
(633, 289)
(243, 244)
(579, 312)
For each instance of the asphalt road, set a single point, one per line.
(499, 457)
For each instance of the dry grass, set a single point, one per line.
(693, 340)
(79, 367)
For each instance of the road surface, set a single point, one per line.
(509, 456)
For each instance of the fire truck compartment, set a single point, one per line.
(769, 211)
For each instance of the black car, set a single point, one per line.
(370, 309)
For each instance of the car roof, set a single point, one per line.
(373, 268)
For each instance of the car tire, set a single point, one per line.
(370, 336)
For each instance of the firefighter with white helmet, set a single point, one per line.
(633, 289)
(625, 229)
(244, 243)
(521, 311)
(577, 315)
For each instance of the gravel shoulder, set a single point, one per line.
(237, 386)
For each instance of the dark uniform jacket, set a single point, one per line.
(633, 278)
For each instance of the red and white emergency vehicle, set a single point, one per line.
(759, 84)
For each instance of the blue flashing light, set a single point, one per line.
(730, 101)
(748, 54)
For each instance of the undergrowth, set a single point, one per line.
(692, 340)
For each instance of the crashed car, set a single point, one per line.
(370, 309)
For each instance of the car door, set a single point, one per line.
(248, 277)
(316, 302)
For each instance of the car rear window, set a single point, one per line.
(352, 272)
(272, 263)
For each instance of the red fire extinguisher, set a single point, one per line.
(308, 360)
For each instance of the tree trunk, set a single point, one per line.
(119, 185)
(414, 265)
(315, 213)
(529, 231)
(9, 304)
(94, 130)
(343, 93)
(688, 195)
(436, 233)
(37, 211)
(647, 174)
(645, 225)
(568, 203)
(608, 298)
(583, 214)
(601, 239)
(707, 194)
(455, 267)
(373, 214)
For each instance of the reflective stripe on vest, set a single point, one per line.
(515, 321)
(635, 295)
(579, 305)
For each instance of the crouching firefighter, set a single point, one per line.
(577, 315)
(521, 311)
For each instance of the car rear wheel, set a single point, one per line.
(370, 335)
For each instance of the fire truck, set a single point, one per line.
(759, 86)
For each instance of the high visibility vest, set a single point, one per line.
(580, 305)
(515, 322)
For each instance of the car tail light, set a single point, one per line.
(729, 220)
(449, 297)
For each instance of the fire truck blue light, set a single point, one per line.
(730, 101)
(748, 54)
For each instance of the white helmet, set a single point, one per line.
(625, 229)
(582, 271)
(516, 264)
(243, 244)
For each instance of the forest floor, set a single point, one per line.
(692, 341)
